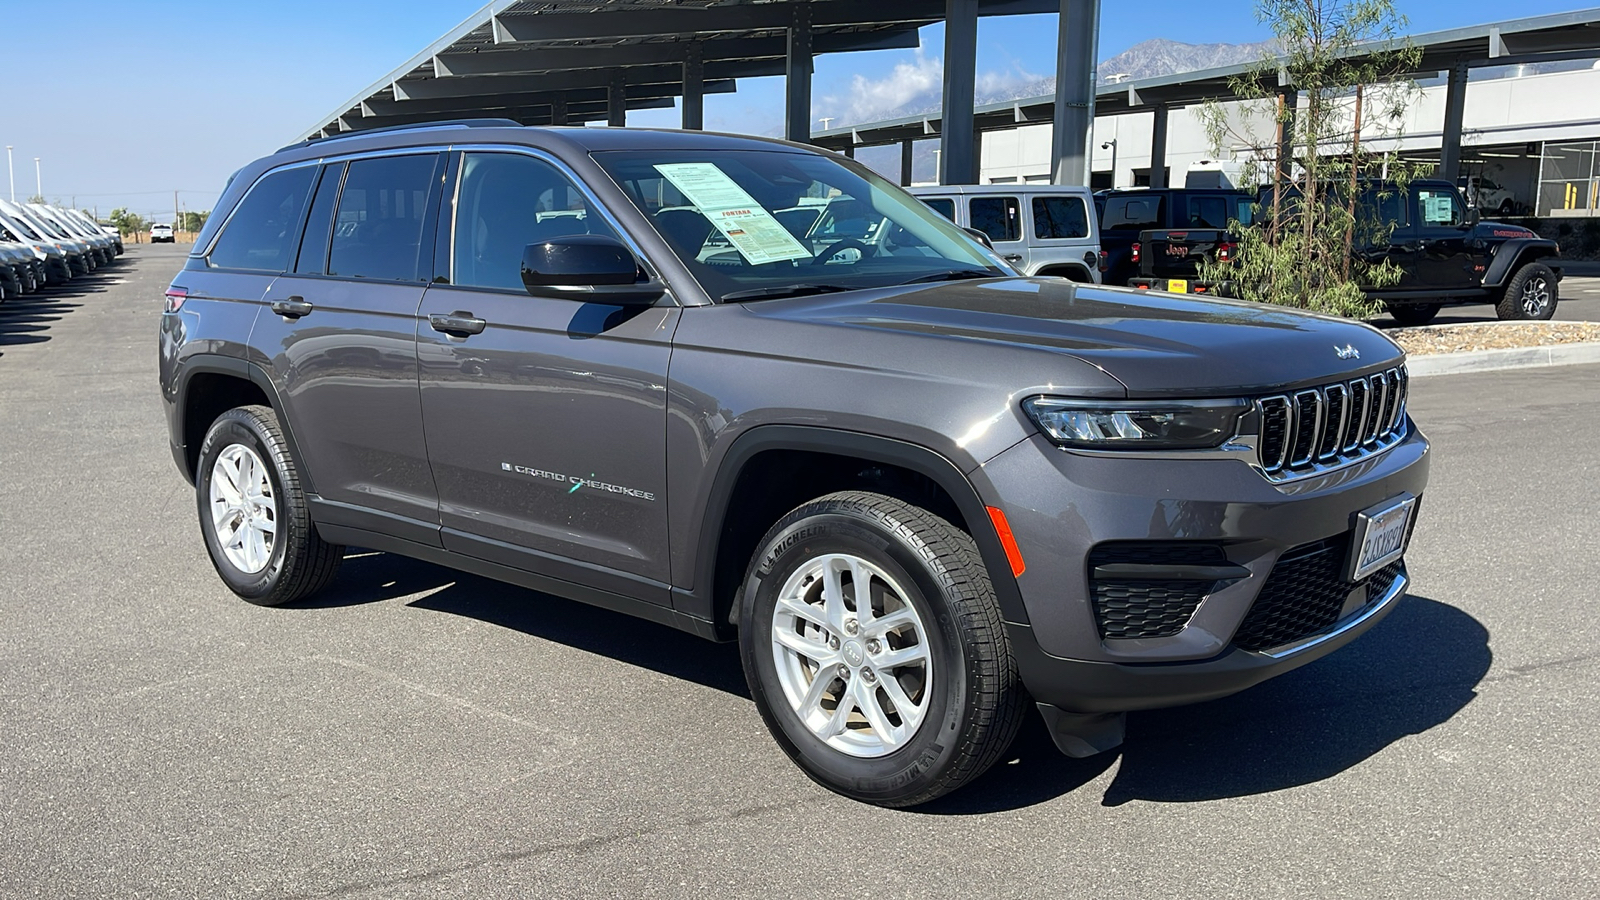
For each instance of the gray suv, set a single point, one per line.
(638, 369)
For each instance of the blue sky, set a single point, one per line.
(127, 102)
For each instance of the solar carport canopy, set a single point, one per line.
(542, 62)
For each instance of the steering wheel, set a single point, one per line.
(832, 250)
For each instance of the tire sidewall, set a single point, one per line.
(1513, 299)
(911, 769)
(239, 427)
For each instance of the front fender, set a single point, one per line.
(1514, 254)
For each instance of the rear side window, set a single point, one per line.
(377, 232)
(507, 201)
(1207, 211)
(998, 217)
(944, 206)
(1060, 217)
(1133, 212)
(313, 259)
(260, 234)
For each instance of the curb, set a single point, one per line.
(1494, 360)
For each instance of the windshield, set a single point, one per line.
(753, 223)
(38, 222)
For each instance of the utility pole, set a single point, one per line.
(11, 171)
(38, 179)
(177, 220)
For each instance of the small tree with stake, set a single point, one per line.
(127, 222)
(1347, 59)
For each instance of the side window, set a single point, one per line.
(1133, 213)
(1243, 209)
(260, 234)
(998, 217)
(313, 259)
(1060, 217)
(1438, 208)
(505, 202)
(1207, 212)
(944, 206)
(377, 232)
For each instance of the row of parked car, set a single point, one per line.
(42, 244)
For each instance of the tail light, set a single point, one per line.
(1135, 251)
(1105, 261)
(175, 297)
(1225, 252)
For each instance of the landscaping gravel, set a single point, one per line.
(1431, 339)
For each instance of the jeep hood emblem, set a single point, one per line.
(1348, 351)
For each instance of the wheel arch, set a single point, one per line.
(729, 534)
(212, 385)
(1515, 254)
(1070, 271)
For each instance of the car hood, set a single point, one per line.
(1155, 344)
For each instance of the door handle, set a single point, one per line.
(292, 307)
(1012, 257)
(457, 324)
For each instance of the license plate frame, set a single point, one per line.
(1178, 285)
(1380, 536)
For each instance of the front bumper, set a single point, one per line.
(1061, 505)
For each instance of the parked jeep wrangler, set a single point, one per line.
(1445, 254)
(919, 490)
(1040, 229)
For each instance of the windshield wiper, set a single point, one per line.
(787, 290)
(954, 275)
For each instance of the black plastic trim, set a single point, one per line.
(326, 513)
(238, 368)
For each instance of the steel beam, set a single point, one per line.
(1289, 97)
(958, 139)
(535, 114)
(1077, 48)
(617, 102)
(1455, 107)
(491, 85)
(378, 108)
(522, 59)
(907, 151)
(797, 74)
(558, 110)
(694, 82)
(1158, 149)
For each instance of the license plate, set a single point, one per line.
(1380, 536)
(1178, 285)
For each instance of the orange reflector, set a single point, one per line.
(1008, 541)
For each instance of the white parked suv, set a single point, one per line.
(1041, 229)
(161, 234)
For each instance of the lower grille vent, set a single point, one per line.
(1305, 594)
(1148, 608)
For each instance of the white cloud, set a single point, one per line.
(913, 86)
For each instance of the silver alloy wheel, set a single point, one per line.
(1535, 297)
(244, 514)
(852, 655)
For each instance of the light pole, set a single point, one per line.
(1112, 146)
(12, 172)
(38, 180)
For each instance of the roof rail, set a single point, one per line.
(442, 123)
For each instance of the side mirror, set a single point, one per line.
(1474, 216)
(588, 268)
(981, 236)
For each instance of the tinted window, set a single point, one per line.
(998, 217)
(378, 230)
(1207, 211)
(260, 233)
(944, 206)
(313, 259)
(1439, 208)
(1060, 217)
(505, 202)
(1133, 212)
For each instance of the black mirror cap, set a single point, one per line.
(1474, 216)
(588, 268)
(983, 238)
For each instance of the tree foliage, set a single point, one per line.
(126, 221)
(1343, 70)
(192, 222)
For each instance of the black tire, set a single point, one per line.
(1414, 314)
(1530, 295)
(299, 563)
(974, 703)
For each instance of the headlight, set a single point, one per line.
(1136, 424)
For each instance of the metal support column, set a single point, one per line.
(617, 102)
(1077, 48)
(958, 143)
(694, 88)
(558, 111)
(1288, 100)
(1158, 148)
(797, 77)
(906, 149)
(1455, 107)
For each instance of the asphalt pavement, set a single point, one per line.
(416, 732)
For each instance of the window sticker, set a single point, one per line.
(1437, 209)
(745, 223)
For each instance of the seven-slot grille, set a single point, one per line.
(1321, 427)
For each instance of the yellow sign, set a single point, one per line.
(1178, 285)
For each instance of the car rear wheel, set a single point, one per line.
(1412, 315)
(253, 512)
(1531, 294)
(874, 649)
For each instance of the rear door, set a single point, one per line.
(546, 429)
(1062, 231)
(1000, 217)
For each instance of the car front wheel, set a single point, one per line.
(1531, 294)
(253, 512)
(1417, 314)
(875, 652)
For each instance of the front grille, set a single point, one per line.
(1139, 608)
(1305, 593)
(1332, 424)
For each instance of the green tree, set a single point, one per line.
(126, 221)
(192, 222)
(1347, 63)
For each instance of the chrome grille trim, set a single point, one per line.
(1344, 422)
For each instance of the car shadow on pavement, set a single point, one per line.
(24, 320)
(1415, 670)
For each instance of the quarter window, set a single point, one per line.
(998, 217)
(505, 202)
(377, 232)
(313, 259)
(260, 234)
(1060, 217)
